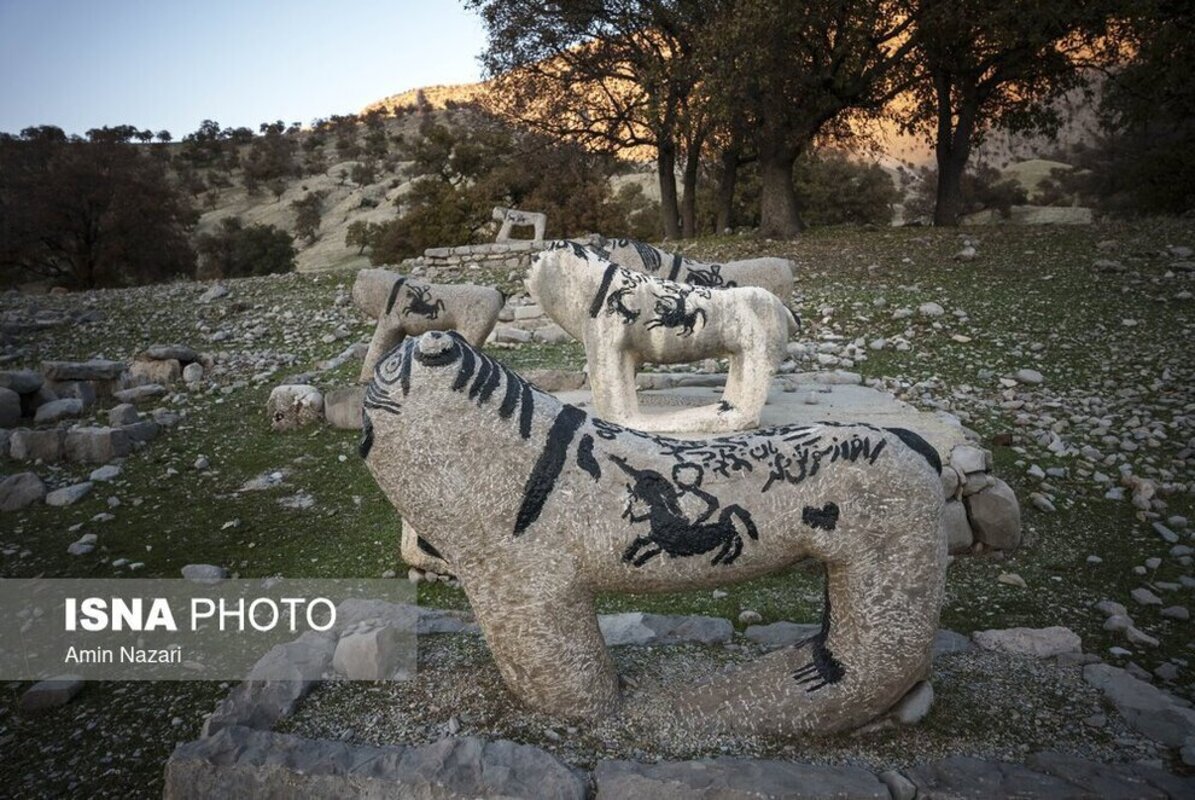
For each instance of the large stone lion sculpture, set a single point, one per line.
(538, 506)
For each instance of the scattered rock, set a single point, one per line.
(55, 410)
(726, 778)
(27, 445)
(10, 408)
(57, 691)
(1148, 709)
(96, 445)
(69, 495)
(781, 634)
(636, 627)
(930, 310)
(138, 393)
(1037, 642)
(995, 516)
(204, 573)
(1145, 597)
(292, 406)
(371, 654)
(105, 474)
(193, 374)
(123, 414)
(21, 491)
(1029, 376)
(214, 293)
(168, 352)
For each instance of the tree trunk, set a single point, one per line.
(688, 208)
(952, 149)
(669, 210)
(779, 217)
(726, 186)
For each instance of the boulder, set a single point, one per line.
(636, 627)
(137, 393)
(995, 516)
(55, 410)
(1037, 642)
(94, 370)
(57, 691)
(170, 352)
(163, 372)
(24, 381)
(68, 495)
(193, 373)
(371, 653)
(21, 491)
(10, 408)
(781, 634)
(1148, 709)
(143, 431)
(957, 527)
(81, 390)
(123, 414)
(292, 406)
(96, 445)
(47, 446)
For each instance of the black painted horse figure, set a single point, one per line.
(672, 532)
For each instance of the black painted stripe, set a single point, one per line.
(528, 406)
(394, 290)
(921, 446)
(404, 373)
(585, 459)
(676, 260)
(595, 307)
(511, 398)
(483, 375)
(542, 479)
(490, 385)
(466, 371)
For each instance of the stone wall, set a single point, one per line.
(445, 263)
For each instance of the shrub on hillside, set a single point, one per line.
(237, 251)
(309, 210)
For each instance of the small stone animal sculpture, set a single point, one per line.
(773, 274)
(510, 217)
(625, 318)
(538, 506)
(405, 306)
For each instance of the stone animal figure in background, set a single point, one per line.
(625, 318)
(773, 274)
(405, 306)
(510, 217)
(538, 507)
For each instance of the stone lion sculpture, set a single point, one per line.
(538, 506)
(625, 318)
(405, 306)
(773, 274)
(510, 217)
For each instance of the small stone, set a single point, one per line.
(1176, 612)
(69, 495)
(1153, 563)
(368, 655)
(83, 546)
(1029, 376)
(930, 310)
(1012, 579)
(1169, 536)
(202, 463)
(1110, 608)
(1139, 637)
(749, 617)
(1118, 622)
(193, 373)
(1167, 672)
(204, 573)
(57, 691)
(1145, 597)
(106, 473)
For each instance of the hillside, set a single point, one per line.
(346, 201)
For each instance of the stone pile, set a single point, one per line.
(981, 511)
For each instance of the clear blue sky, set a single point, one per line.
(173, 63)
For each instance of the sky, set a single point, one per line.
(170, 64)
